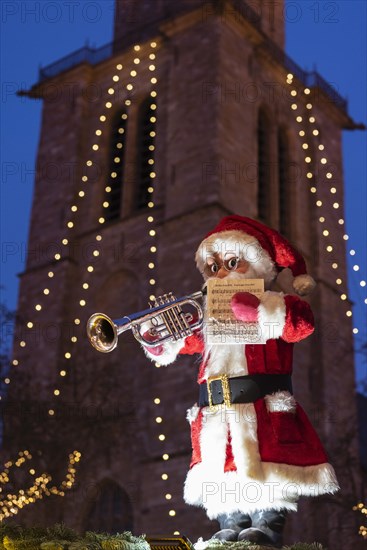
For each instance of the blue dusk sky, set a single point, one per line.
(329, 36)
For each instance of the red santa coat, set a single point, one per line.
(257, 455)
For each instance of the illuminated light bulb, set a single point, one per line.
(115, 78)
(108, 105)
(334, 265)
(312, 119)
(150, 204)
(168, 496)
(338, 281)
(355, 331)
(74, 208)
(95, 252)
(336, 205)
(301, 133)
(352, 252)
(153, 106)
(63, 373)
(152, 232)
(343, 296)
(137, 47)
(176, 532)
(151, 161)
(356, 268)
(348, 313)
(117, 160)
(329, 248)
(362, 283)
(133, 73)
(22, 344)
(56, 392)
(152, 175)
(318, 203)
(38, 307)
(323, 160)
(98, 237)
(329, 175)
(164, 477)
(309, 106)
(111, 91)
(82, 303)
(365, 300)
(152, 67)
(341, 221)
(152, 282)
(57, 256)
(309, 175)
(84, 178)
(46, 291)
(325, 232)
(153, 249)
(153, 119)
(89, 163)
(74, 339)
(172, 513)
(153, 93)
(77, 321)
(157, 401)
(70, 224)
(127, 102)
(51, 274)
(119, 67)
(150, 189)
(106, 204)
(289, 76)
(313, 189)
(136, 61)
(153, 44)
(307, 91)
(294, 106)
(308, 159)
(51, 412)
(98, 132)
(81, 194)
(154, 80)
(67, 355)
(152, 56)
(7, 380)
(165, 456)
(151, 265)
(299, 119)
(159, 419)
(321, 147)
(161, 437)
(332, 190)
(293, 93)
(152, 297)
(124, 116)
(101, 220)
(102, 118)
(119, 145)
(64, 242)
(150, 219)
(315, 132)
(30, 324)
(90, 268)
(129, 87)
(157, 365)
(15, 362)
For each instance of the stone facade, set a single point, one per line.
(215, 70)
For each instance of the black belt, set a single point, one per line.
(241, 389)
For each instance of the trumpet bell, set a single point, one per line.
(102, 332)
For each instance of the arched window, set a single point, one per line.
(145, 156)
(114, 183)
(111, 510)
(284, 183)
(264, 166)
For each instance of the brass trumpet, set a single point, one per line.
(169, 322)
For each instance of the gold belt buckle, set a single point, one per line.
(226, 391)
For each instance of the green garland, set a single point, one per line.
(60, 537)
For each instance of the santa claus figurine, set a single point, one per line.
(254, 450)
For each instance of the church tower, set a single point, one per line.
(192, 113)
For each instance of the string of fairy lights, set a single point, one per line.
(12, 503)
(309, 121)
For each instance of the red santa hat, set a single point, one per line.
(247, 237)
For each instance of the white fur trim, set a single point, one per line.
(255, 485)
(170, 351)
(192, 414)
(243, 246)
(281, 401)
(272, 313)
(303, 284)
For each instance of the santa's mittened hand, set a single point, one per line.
(244, 306)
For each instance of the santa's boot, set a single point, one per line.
(267, 528)
(231, 525)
